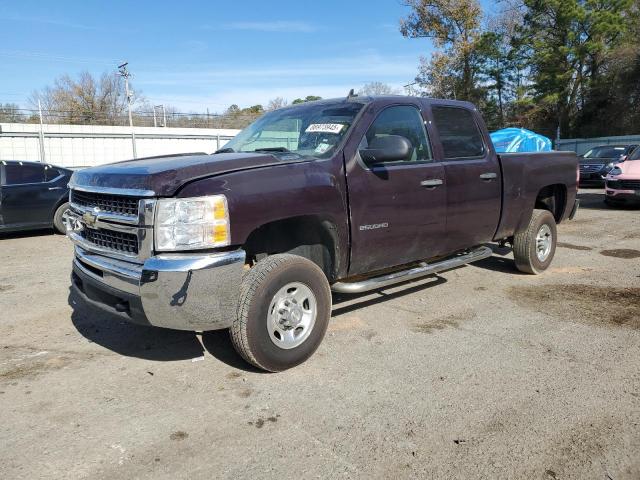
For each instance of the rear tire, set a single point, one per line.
(283, 312)
(534, 248)
(58, 218)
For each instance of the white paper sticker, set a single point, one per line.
(325, 128)
(323, 147)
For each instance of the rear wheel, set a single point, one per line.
(534, 248)
(283, 313)
(60, 217)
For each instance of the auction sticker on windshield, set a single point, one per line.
(325, 128)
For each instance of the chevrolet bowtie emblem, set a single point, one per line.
(89, 218)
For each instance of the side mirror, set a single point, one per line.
(391, 148)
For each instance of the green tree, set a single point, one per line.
(308, 98)
(568, 43)
(454, 26)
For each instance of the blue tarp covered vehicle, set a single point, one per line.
(510, 140)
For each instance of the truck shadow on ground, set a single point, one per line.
(150, 343)
(346, 303)
(28, 233)
(499, 261)
(131, 340)
(164, 345)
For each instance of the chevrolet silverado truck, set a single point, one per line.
(346, 195)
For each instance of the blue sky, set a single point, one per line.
(209, 54)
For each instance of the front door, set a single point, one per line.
(26, 199)
(397, 209)
(473, 177)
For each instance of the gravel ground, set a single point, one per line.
(480, 372)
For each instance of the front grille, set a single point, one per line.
(630, 184)
(106, 203)
(593, 167)
(624, 184)
(111, 239)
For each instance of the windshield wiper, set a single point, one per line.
(273, 149)
(225, 150)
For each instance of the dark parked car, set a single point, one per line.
(596, 164)
(348, 195)
(33, 195)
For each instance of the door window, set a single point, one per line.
(16, 174)
(406, 121)
(51, 173)
(458, 133)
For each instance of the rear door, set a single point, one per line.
(27, 200)
(473, 176)
(397, 209)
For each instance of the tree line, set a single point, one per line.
(90, 100)
(554, 66)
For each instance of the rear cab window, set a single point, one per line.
(459, 133)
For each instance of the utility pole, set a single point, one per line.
(123, 72)
(42, 155)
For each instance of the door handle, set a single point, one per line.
(432, 183)
(488, 176)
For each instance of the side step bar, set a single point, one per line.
(423, 269)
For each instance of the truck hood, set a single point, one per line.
(163, 176)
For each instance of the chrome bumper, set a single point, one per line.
(179, 291)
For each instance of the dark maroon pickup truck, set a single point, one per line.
(348, 195)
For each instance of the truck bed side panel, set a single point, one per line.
(524, 175)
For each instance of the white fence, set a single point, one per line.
(88, 145)
(581, 145)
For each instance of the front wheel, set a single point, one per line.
(283, 312)
(534, 248)
(60, 218)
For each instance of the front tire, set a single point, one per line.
(59, 217)
(283, 312)
(534, 248)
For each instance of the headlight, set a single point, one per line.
(610, 165)
(192, 223)
(615, 171)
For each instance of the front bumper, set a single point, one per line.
(592, 178)
(178, 291)
(622, 196)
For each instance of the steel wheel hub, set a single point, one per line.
(544, 241)
(292, 315)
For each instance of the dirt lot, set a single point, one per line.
(480, 372)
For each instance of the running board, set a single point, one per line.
(421, 270)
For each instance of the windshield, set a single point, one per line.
(313, 130)
(605, 152)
